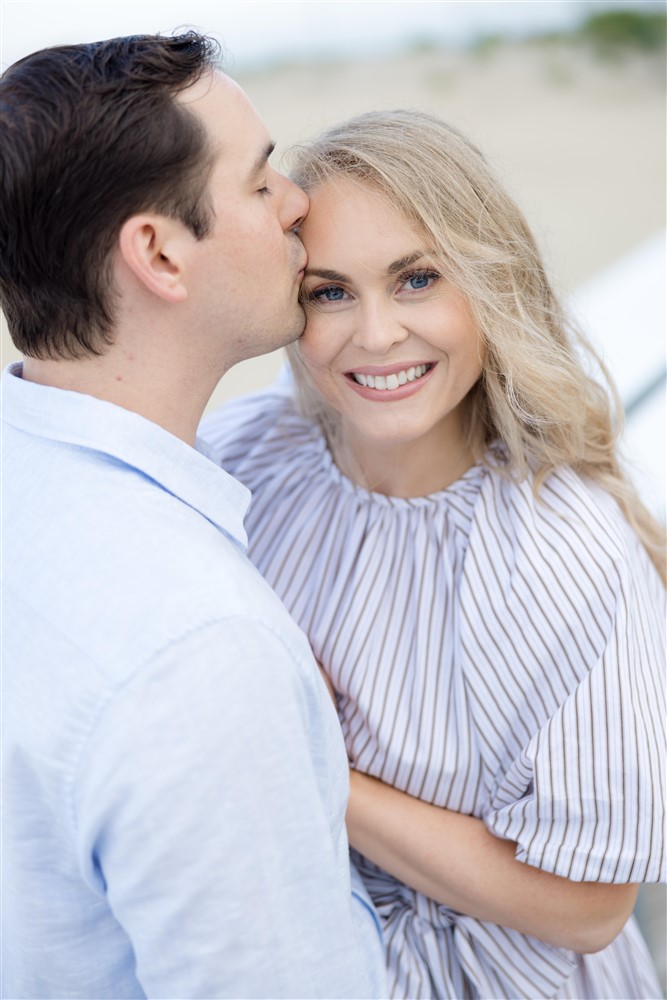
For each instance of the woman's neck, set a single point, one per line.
(404, 468)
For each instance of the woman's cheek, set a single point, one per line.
(314, 340)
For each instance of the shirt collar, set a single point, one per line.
(78, 419)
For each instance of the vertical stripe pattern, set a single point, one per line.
(494, 654)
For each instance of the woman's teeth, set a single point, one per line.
(391, 381)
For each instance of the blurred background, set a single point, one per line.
(567, 99)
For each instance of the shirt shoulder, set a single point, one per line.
(110, 566)
(568, 521)
(556, 589)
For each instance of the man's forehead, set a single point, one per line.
(229, 116)
(212, 85)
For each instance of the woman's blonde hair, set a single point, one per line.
(535, 394)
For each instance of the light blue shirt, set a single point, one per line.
(174, 776)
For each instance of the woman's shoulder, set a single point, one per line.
(562, 555)
(557, 593)
(566, 516)
(261, 430)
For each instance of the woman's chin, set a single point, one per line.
(378, 437)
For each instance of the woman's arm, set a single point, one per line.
(455, 860)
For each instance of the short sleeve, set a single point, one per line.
(579, 778)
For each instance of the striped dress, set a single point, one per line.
(495, 655)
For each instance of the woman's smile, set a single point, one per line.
(390, 383)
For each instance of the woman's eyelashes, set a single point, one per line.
(418, 281)
(412, 282)
(330, 293)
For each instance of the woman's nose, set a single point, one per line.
(378, 329)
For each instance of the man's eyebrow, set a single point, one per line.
(261, 160)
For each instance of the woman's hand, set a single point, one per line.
(456, 861)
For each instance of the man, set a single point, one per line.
(174, 779)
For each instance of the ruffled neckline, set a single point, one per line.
(273, 449)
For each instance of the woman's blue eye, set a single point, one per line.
(332, 293)
(420, 279)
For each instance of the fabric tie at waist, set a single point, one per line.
(496, 961)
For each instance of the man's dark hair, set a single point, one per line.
(91, 135)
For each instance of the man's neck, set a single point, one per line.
(170, 396)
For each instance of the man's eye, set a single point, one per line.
(264, 190)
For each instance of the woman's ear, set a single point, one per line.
(153, 248)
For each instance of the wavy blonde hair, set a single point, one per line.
(535, 393)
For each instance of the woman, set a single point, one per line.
(444, 514)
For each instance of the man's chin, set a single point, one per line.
(272, 336)
(297, 327)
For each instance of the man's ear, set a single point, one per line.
(153, 247)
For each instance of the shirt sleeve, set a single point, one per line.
(580, 786)
(209, 816)
(586, 793)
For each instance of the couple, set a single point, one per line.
(436, 499)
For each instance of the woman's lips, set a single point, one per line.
(391, 382)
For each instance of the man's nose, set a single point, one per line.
(295, 205)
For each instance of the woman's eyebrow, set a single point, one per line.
(403, 262)
(394, 268)
(315, 272)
